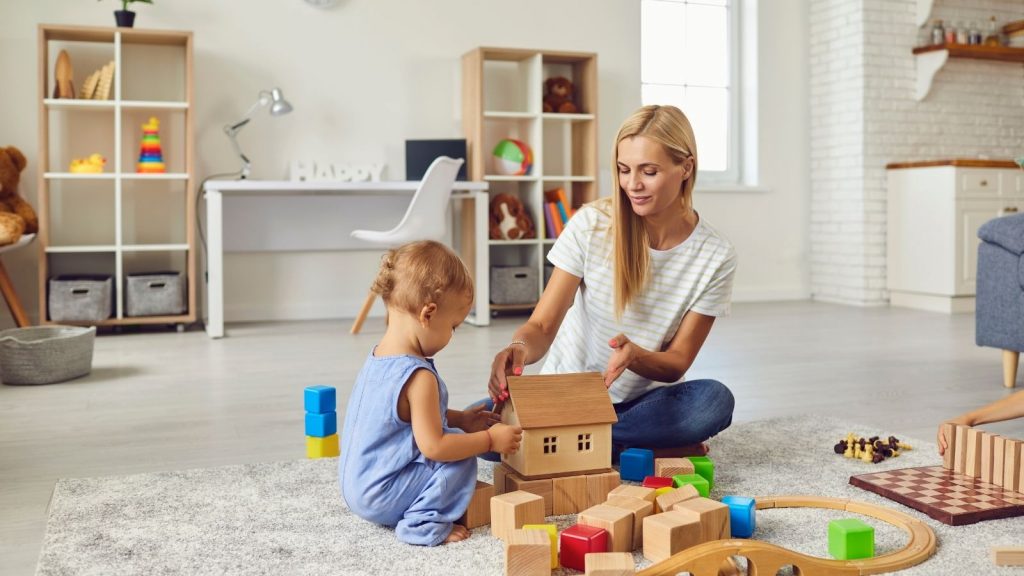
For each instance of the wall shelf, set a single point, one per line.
(930, 59)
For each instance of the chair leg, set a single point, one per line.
(11, 297)
(1010, 358)
(358, 324)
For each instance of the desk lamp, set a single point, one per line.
(278, 107)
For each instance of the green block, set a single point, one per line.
(705, 467)
(850, 539)
(696, 480)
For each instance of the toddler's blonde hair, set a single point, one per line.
(418, 273)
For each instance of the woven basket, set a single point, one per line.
(45, 354)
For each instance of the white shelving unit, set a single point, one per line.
(118, 222)
(503, 93)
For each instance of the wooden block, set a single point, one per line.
(528, 553)
(569, 495)
(949, 431)
(668, 500)
(325, 447)
(670, 532)
(960, 458)
(986, 456)
(998, 460)
(713, 517)
(510, 511)
(479, 511)
(541, 488)
(1011, 465)
(500, 474)
(618, 523)
(609, 564)
(972, 466)
(552, 531)
(640, 509)
(599, 485)
(657, 494)
(669, 467)
(1008, 555)
(631, 491)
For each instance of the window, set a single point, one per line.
(583, 443)
(550, 444)
(689, 59)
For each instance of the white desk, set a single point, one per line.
(476, 253)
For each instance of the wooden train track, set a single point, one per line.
(764, 558)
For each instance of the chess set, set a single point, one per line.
(980, 479)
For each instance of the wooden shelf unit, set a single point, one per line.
(502, 97)
(930, 59)
(145, 222)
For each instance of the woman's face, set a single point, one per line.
(651, 181)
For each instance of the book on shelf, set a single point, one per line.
(555, 218)
(549, 223)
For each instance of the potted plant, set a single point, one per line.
(124, 17)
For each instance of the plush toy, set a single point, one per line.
(509, 220)
(16, 215)
(558, 95)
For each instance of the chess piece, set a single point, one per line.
(63, 85)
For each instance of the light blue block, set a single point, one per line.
(321, 425)
(742, 515)
(635, 464)
(320, 399)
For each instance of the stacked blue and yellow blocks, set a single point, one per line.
(321, 422)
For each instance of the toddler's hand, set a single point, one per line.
(505, 439)
(477, 419)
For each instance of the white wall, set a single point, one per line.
(369, 74)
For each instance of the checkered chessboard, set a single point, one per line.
(946, 496)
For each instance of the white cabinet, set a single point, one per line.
(935, 210)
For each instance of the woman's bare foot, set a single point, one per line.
(458, 532)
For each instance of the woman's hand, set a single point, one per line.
(478, 419)
(624, 352)
(509, 360)
(941, 439)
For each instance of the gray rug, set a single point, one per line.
(287, 518)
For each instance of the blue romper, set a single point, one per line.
(384, 477)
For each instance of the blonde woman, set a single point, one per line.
(639, 279)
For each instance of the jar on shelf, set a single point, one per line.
(950, 33)
(938, 35)
(962, 34)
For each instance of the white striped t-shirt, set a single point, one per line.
(695, 275)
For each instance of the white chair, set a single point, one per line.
(425, 219)
(7, 287)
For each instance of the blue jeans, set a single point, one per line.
(676, 415)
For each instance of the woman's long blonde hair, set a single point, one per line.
(668, 126)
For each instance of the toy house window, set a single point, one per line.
(583, 443)
(550, 444)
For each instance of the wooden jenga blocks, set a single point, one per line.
(667, 501)
(512, 510)
(630, 491)
(669, 467)
(552, 531)
(528, 553)
(617, 522)
(1012, 465)
(713, 517)
(599, 485)
(479, 511)
(542, 488)
(578, 541)
(998, 460)
(670, 532)
(949, 432)
(569, 495)
(987, 460)
(640, 510)
(609, 564)
(1008, 555)
(972, 467)
(960, 445)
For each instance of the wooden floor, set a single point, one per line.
(166, 401)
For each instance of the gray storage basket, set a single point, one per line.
(81, 298)
(514, 285)
(155, 294)
(45, 354)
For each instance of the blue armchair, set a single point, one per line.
(999, 315)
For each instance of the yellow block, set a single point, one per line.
(322, 447)
(659, 492)
(553, 533)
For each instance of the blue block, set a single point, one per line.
(635, 464)
(321, 425)
(742, 515)
(320, 399)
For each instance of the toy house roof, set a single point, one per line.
(561, 400)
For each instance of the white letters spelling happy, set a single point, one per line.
(303, 171)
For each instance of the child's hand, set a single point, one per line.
(477, 419)
(505, 439)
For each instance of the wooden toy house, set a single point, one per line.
(567, 424)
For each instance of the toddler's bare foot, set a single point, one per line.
(458, 532)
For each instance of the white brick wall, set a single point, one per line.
(864, 116)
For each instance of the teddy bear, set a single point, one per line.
(16, 215)
(558, 95)
(509, 220)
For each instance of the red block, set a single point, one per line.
(657, 482)
(578, 541)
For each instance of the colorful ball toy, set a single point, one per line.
(512, 158)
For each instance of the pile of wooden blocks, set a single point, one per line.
(989, 457)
